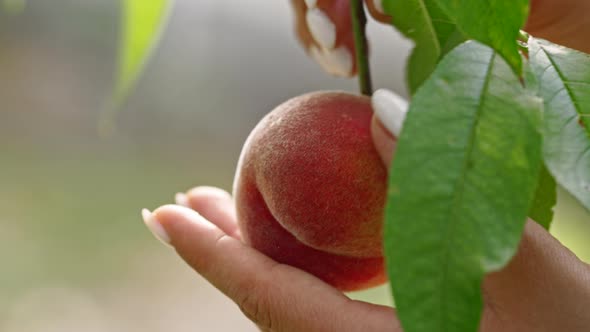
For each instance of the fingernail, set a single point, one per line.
(378, 4)
(155, 227)
(311, 3)
(341, 61)
(337, 62)
(321, 27)
(391, 109)
(181, 199)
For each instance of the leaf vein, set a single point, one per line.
(430, 26)
(460, 187)
(563, 79)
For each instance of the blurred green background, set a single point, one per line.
(74, 253)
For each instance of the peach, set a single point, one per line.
(310, 189)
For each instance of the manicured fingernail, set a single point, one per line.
(337, 62)
(181, 199)
(378, 4)
(311, 3)
(340, 61)
(391, 109)
(155, 227)
(321, 27)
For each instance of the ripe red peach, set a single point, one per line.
(310, 189)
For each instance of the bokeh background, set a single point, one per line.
(74, 254)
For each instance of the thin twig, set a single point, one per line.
(359, 23)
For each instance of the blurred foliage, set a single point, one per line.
(13, 6)
(143, 22)
(141, 27)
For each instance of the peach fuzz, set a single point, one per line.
(310, 189)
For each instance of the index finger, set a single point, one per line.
(275, 296)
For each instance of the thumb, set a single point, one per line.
(390, 112)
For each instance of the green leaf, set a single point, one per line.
(461, 184)
(432, 31)
(545, 199)
(143, 22)
(564, 82)
(496, 23)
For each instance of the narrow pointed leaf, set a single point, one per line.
(433, 32)
(142, 23)
(493, 22)
(141, 27)
(461, 184)
(563, 77)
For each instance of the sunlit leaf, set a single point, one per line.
(496, 23)
(143, 21)
(430, 28)
(564, 82)
(142, 24)
(461, 184)
(542, 208)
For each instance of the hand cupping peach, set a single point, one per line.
(310, 189)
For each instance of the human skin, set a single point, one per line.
(564, 22)
(544, 288)
(324, 28)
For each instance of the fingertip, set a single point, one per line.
(181, 199)
(311, 3)
(155, 227)
(383, 140)
(324, 29)
(321, 27)
(204, 199)
(338, 62)
(175, 219)
(389, 115)
(391, 109)
(201, 192)
(217, 206)
(171, 213)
